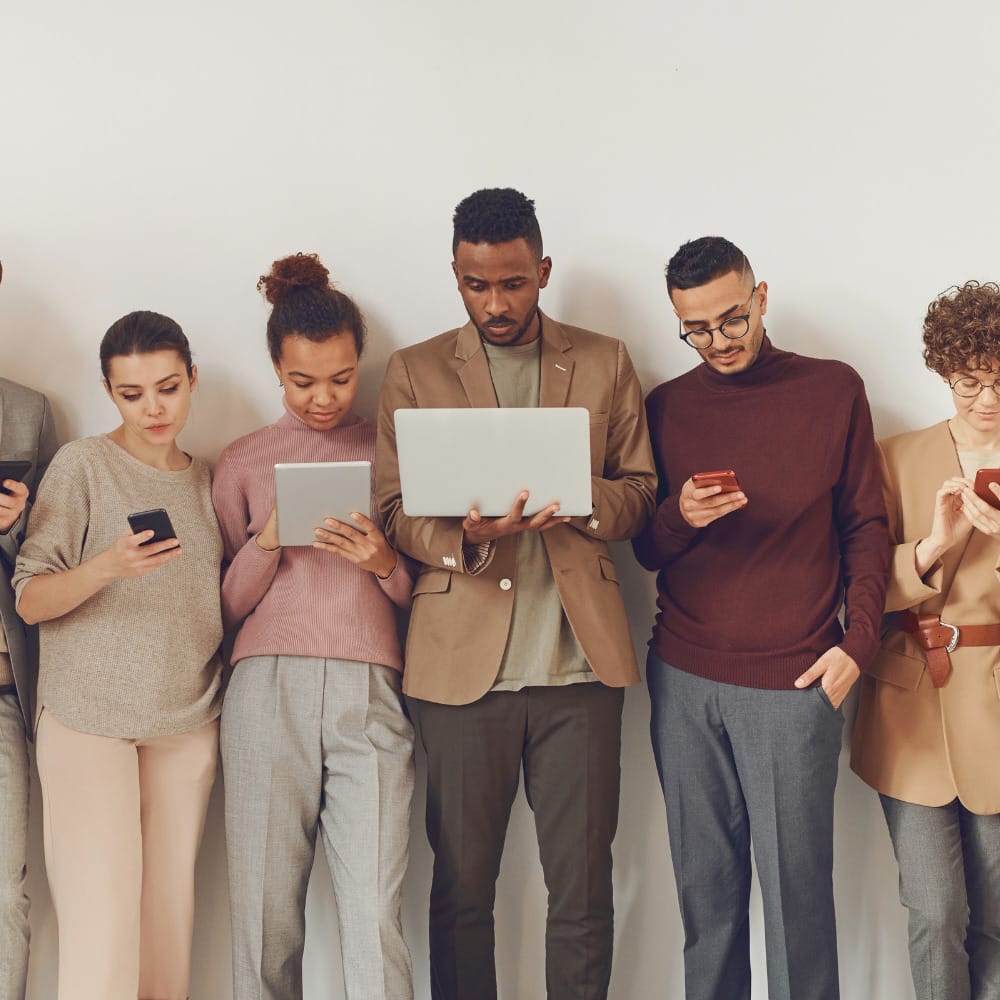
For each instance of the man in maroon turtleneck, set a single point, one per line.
(749, 664)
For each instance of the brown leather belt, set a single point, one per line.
(939, 639)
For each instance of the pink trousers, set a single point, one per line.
(123, 819)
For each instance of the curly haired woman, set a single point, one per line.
(927, 735)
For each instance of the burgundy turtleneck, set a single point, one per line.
(753, 598)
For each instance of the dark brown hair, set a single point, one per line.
(143, 332)
(962, 329)
(304, 302)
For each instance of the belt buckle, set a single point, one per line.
(955, 636)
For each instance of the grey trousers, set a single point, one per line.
(13, 850)
(949, 881)
(311, 743)
(740, 765)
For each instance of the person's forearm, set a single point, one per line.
(52, 595)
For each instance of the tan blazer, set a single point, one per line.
(913, 741)
(459, 622)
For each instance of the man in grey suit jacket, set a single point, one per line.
(26, 432)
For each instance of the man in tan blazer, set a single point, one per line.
(519, 646)
(26, 433)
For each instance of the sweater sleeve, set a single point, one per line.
(667, 535)
(248, 570)
(433, 541)
(859, 510)
(58, 523)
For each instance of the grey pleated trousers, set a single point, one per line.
(13, 850)
(313, 744)
(949, 881)
(740, 764)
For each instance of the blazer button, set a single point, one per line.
(505, 584)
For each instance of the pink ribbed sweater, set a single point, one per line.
(299, 601)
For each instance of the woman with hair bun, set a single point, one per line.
(313, 732)
(128, 689)
(927, 733)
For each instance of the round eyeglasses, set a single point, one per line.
(732, 329)
(969, 386)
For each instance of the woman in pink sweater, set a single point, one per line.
(313, 733)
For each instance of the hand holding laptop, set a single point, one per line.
(478, 529)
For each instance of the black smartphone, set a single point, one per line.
(16, 468)
(158, 520)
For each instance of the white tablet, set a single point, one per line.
(451, 460)
(307, 492)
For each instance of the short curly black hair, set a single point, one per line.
(962, 329)
(496, 215)
(703, 260)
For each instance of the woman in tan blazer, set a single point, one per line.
(927, 734)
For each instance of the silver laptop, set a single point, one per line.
(451, 460)
(307, 492)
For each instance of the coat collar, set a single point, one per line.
(556, 365)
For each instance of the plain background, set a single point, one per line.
(159, 156)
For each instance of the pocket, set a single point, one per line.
(432, 581)
(608, 569)
(825, 698)
(899, 669)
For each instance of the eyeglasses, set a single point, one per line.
(732, 329)
(969, 386)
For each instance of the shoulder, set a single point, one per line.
(21, 394)
(900, 447)
(585, 339)
(84, 453)
(237, 452)
(827, 371)
(432, 349)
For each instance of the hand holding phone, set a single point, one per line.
(12, 501)
(982, 486)
(701, 511)
(157, 521)
(13, 469)
(725, 478)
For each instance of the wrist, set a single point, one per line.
(385, 571)
(267, 544)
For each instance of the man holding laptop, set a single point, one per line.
(748, 664)
(519, 646)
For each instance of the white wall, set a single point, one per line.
(161, 155)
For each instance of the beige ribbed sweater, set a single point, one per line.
(140, 657)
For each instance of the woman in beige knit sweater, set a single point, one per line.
(128, 697)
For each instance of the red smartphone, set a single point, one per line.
(725, 478)
(982, 488)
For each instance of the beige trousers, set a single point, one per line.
(123, 819)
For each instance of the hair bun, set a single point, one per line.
(301, 270)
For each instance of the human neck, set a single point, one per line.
(167, 457)
(969, 438)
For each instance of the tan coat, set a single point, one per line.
(913, 741)
(459, 623)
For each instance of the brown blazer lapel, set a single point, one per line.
(474, 372)
(557, 365)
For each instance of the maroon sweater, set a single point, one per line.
(753, 598)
